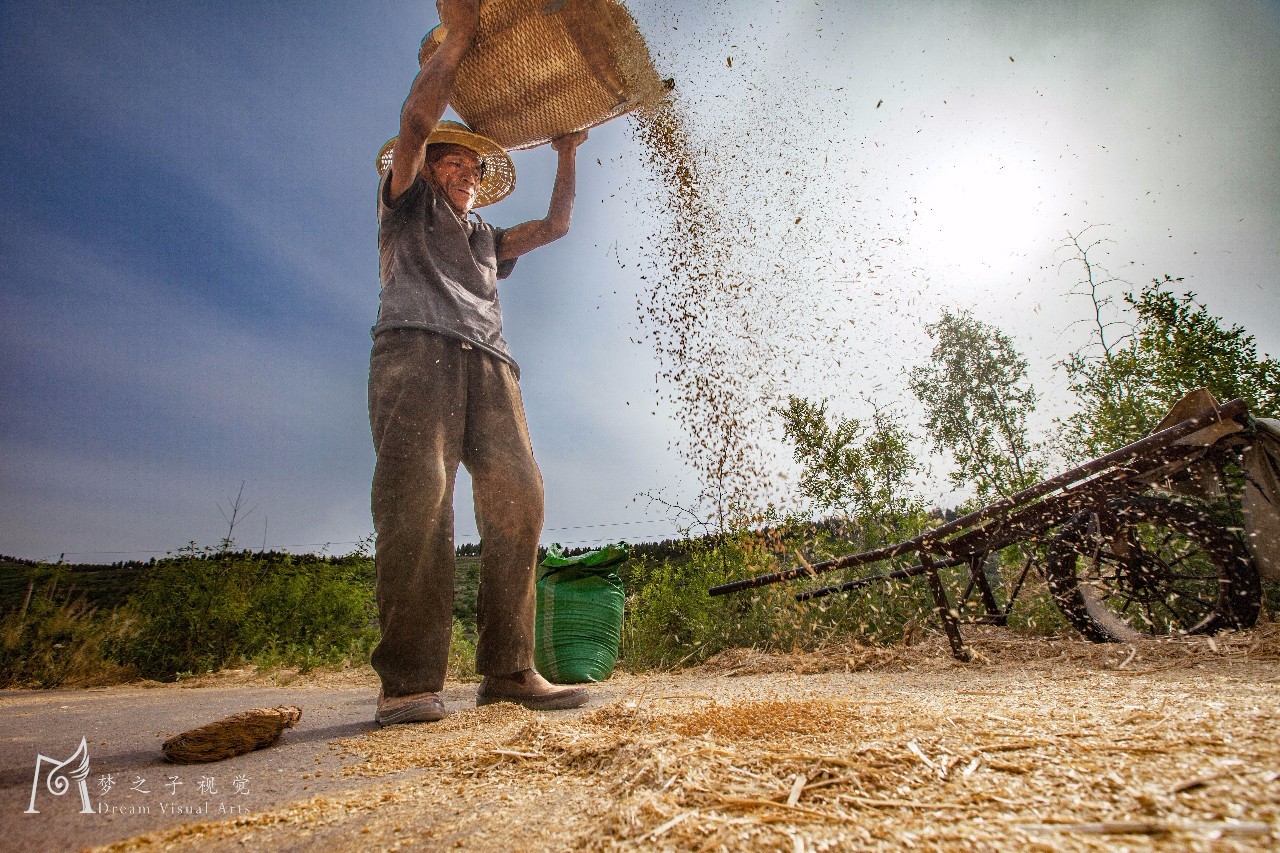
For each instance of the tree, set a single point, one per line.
(235, 512)
(1126, 386)
(862, 473)
(976, 399)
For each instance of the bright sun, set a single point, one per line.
(982, 211)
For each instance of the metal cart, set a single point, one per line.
(1123, 552)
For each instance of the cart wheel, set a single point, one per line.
(1147, 565)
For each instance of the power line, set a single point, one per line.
(176, 550)
(474, 535)
(326, 545)
(609, 524)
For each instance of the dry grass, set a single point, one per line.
(253, 676)
(1044, 744)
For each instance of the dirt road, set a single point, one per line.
(1050, 744)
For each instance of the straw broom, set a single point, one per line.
(234, 735)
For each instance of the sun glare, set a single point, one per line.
(983, 211)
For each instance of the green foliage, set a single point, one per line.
(670, 620)
(864, 474)
(1036, 614)
(462, 653)
(198, 613)
(104, 586)
(466, 589)
(976, 399)
(1271, 599)
(59, 639)
(1125, 387)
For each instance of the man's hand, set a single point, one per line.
(460, 16)
(569, 142)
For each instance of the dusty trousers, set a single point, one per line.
(433, 405)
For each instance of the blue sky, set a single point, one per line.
(187, 251)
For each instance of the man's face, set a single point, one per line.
(458, 174)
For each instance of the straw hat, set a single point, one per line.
(499, 172)
(540, 69)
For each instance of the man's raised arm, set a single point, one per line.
(431, 91)
(528, 236)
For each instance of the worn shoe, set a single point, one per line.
(414, 708)
(531, 690)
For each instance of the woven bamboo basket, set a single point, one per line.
(531, 76)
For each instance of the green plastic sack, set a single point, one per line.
(579, 615)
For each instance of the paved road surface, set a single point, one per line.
(131, 788)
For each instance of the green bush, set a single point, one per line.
(202, 612)
(669, 617)
(60, 640)
(462, 653)
(670, 620)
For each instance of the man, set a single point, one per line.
(443, 390)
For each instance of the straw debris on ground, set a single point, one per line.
(1043, 744)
